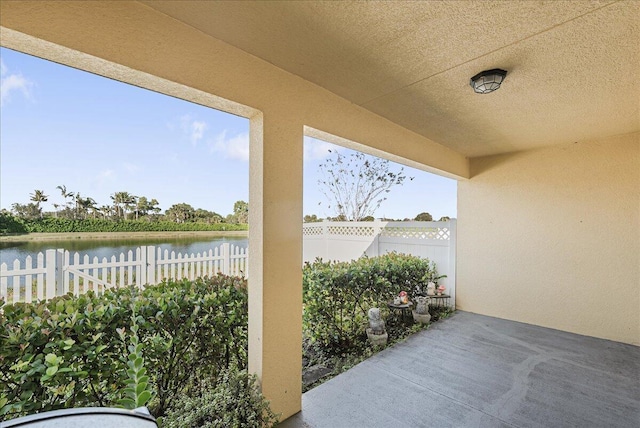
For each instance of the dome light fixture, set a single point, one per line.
(488, 80)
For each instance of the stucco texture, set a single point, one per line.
(552, 237)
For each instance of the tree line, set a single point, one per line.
(123, 206)
(424, 216)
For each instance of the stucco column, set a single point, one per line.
(275, 259)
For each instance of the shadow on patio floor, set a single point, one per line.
(476, 371)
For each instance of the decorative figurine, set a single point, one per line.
(422, 306)
(376, 323)
(441, 290)
(421, 313)
(404, 298)
(431, 289)
(376, 332)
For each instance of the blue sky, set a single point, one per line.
(61, 126)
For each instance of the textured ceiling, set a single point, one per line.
(574, 66)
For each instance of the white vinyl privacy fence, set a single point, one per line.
(58, 272)
(345, 241)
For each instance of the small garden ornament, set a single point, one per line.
(441, 290)
(430, 278)
(376, 332)
(404, 298)
(431, 289)
(421, 313)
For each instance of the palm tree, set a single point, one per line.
(78, 201)
(122, 202)
(105, 210)
(153, 207)
(83, 205)
(90, 204)
(129, 202)
(65, 194)
(180, 213)
(38, 197)
(142, 206)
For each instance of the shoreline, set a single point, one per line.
(119, 235)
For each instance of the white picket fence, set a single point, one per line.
(58, 272)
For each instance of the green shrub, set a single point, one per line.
(234, 401)
(64, 225)
(68, 352)
(10, 224)
(192, 332)
(337, 295)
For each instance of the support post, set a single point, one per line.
(325, 237)
(151, 264)
(59, 272)
(226, 258)
(142, 281)
(50, 275)
(275, 251)
(451, 276)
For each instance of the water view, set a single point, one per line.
(10, 251)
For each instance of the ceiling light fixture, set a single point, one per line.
(488, 80)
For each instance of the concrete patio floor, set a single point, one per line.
(476, 371)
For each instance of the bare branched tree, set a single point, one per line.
(356, 185)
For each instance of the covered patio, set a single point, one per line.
(548, 170)
(476, 371)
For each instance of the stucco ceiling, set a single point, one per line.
(574, 66)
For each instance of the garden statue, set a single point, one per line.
(376, 324)
(431, 289)
(421, 313)
(376, 332)
(422, 306)
(441, 290)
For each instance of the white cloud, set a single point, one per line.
(105, 176)
(11, 83)
(130, 168)
(194, 129)
(236, 147)
(317, 149)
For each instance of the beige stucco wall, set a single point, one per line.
(552, 237)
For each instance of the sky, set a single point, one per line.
(62, 126)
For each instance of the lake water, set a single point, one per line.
(10, 251)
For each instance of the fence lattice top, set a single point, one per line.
(439, 231)
(352, 230)
(312, 230)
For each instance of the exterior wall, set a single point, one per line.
(552, 237)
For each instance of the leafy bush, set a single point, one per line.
(337, 295)
(68, 352)
(63, 225)
(234, 401)
(11, 224)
